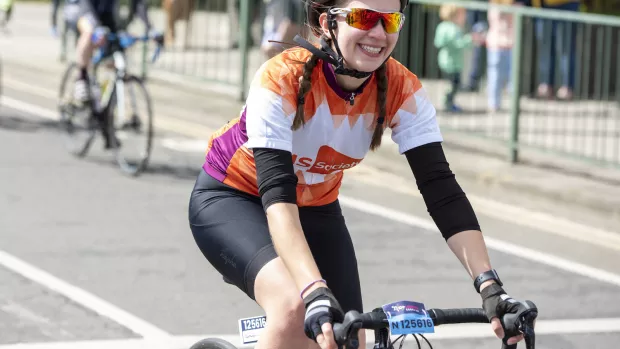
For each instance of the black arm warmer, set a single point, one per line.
(445, 200)
(276, 178)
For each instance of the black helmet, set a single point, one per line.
(314, 8)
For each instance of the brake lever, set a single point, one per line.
(523, 323)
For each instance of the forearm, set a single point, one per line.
(55, 5)
(469, 247)
(291, 246)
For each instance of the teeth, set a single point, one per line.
(371, 49)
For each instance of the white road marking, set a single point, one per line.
(29, 108)
(45, 325)
(30, 88)
(82, 297)
(537, 220)
(24, 313)
(496, 244)
(462, 331)
(163, 339)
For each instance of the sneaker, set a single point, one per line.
(80, 91)
(454, 109)
(564, 93)
(544, 91)
(133, 124)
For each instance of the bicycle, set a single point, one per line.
(408, 318)
(106, 111)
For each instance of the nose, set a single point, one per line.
(378, 32)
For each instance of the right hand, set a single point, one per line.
(322, 310)
(99, 36)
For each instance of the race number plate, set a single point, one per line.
(407, 317)
(250, 328)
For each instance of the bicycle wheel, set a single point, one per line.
(77, 122)
(213, 343)
(132, 117)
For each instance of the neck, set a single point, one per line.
(349, 83)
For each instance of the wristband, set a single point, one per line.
(301, 294)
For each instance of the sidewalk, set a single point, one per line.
(474, 159)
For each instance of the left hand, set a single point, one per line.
(478, 38)
(496, 303)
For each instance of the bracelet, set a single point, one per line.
(301, 294)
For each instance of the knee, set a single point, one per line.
(286, 316)
(85, 27)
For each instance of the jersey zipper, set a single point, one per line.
(352, 98)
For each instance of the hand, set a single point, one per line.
(478, 38)
(99, 36)
(156, 35)
(54, 31)
(322, 310)
(496, 303)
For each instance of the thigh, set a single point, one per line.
(230, 228)
(506, 64)
(332, 248)
(87, 19)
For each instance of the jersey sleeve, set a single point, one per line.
(271, 107)
(415, 121)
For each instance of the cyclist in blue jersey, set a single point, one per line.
(94, 16)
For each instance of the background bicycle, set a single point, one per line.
(120, 106)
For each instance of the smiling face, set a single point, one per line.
(363, 50)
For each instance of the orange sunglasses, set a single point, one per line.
(366, 19)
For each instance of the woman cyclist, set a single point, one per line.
(264, 210)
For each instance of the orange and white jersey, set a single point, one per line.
(336, 135)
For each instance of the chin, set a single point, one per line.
(369, 66)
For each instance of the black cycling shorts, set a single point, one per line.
(230, 228)
(97, 18)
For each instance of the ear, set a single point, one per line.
(325, 24)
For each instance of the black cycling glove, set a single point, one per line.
(321, 307)
(496, 303)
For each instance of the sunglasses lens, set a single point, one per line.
(393, 22)
(365, 19)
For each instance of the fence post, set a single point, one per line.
(244, 41)
(517, 65)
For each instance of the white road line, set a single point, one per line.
(82, 297)
(509, 248)
(493, 208)
(46, 92)
(508, 213)
(24, 313)
(463, 331)
(29, 108)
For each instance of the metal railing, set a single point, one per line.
(216, 45)
(586, 127)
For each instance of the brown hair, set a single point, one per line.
(448, 12)
(314, 9)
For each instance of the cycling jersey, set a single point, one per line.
(100, 12)
(338, 125)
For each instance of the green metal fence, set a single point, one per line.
(587, 127)
(215, 46)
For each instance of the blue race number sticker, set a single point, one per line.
(250, 328)
(406, 317)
